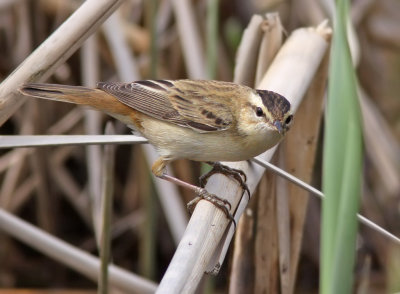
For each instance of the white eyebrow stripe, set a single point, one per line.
(255, 101)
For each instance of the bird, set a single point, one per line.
(200, 120)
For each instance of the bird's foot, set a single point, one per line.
(237, 174)
(223, 204)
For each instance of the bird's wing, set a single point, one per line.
(176, 102)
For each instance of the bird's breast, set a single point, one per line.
(173, 141)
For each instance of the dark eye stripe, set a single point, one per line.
(276, 104)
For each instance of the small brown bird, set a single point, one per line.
(199, 120)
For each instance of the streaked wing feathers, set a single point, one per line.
(195, 108)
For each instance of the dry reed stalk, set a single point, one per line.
(9, 184)
(54, 51)
(54, 7)
(299, 150)
(13, 160)
(66, 183)
(241, 278)
(13, 157)
(283, 222)
(90, 69)
(130, 222)
(125, 63)
(297, 61)
(246, 57)
(137, 37)
(106, 212)
(44, 213)
(23, 193)
(374, 211)
(67, 122)
(304, 134)
(381, 146)
(271, 41)
(189, 37)
(24, 38)
(393, 269)
(173, 207)
(127, 71)
(365, 276)
(71, 256)
(13, 173)
(6, 3)
(65, 140)
(266, 251)
(309, 12)
(38, 162)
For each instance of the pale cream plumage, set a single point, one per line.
(198, 120)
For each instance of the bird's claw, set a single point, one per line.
(237, 174)
(223, 204)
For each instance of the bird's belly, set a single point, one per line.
(175, 142)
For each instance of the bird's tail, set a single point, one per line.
(95, 98)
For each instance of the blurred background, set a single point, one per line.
(50, 188)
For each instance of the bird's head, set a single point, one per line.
(265, 113)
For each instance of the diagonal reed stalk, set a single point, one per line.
(54, 51)
(208, 228)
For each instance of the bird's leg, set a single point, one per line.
(217, 167)
(158, 170)
(202, 193)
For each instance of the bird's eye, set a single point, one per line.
(259, 111)
(289, 119)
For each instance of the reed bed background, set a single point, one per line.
(59, 189)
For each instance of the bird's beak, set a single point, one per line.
(279, 127)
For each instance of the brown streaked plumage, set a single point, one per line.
(198, 120)
(183, 102)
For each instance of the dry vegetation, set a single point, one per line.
(51, 186)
